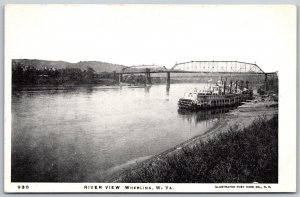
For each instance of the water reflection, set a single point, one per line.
(147, 89)
(204, 115)
(89, 89)
(168, 89)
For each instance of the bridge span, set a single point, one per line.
(233, 68)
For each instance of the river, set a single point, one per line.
(80, 135)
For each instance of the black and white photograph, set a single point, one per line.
(150, 98)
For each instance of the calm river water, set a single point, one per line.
(81, 135)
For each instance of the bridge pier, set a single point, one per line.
(266, 82)
(120, 78)
(148, 76)
(168, 78)
(168, 89)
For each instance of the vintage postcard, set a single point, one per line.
(150, 98)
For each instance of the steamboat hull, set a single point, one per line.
(213, 101)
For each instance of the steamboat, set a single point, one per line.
(216, 96)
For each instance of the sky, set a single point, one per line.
(153, 34)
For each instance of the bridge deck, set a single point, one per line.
(177, 71)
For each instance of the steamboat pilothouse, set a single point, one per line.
(216, 96)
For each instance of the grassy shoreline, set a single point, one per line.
(240, 155)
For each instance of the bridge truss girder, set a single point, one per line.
(144, 69)
(217, 67)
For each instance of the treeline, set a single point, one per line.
(28, 75)
(272, 87)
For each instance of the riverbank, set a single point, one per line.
(242, 147)
(73, 86)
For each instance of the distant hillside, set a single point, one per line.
(96, 65)
(99, 66)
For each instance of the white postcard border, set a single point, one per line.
(287, 143)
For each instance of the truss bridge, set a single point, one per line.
(206, 67)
